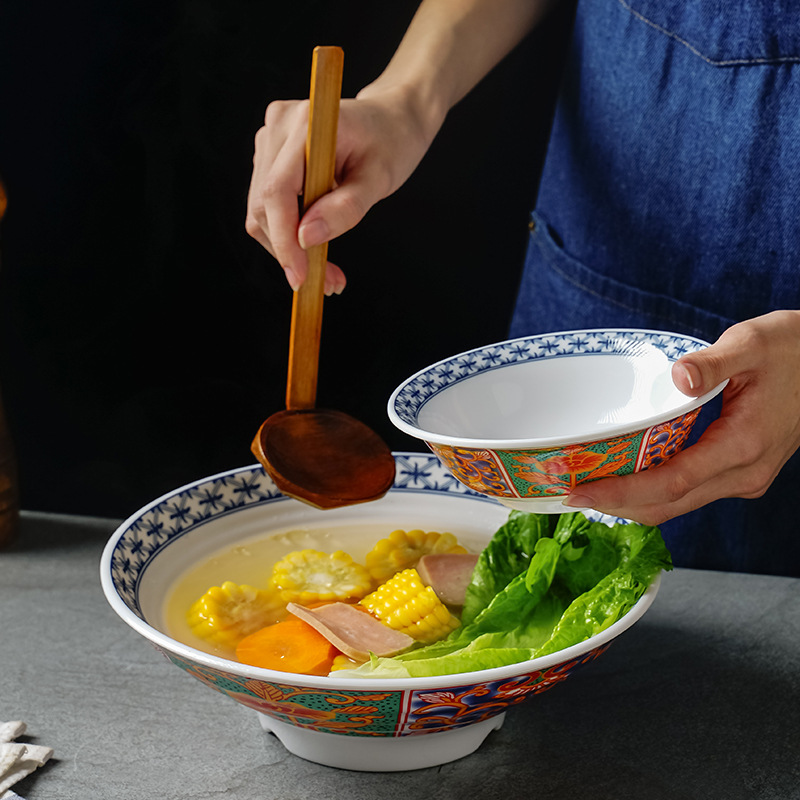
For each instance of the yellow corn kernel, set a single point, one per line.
(310, 576)
(344, 662)
(405, 604)
(403, 549)
(225, 614)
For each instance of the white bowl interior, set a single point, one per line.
(471, 519)
(555, 398)
(161, 542)
(537, 391)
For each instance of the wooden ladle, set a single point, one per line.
(322, 457)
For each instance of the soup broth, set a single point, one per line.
(251, 562)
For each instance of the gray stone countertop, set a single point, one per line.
(700, 699)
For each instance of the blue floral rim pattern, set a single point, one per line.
(152, 528)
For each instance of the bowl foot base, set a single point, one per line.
(381, 753)
(538, 505)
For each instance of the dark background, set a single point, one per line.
(144, 335)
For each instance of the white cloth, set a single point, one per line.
(16, 759)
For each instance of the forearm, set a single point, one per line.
(382, 134)
(449, 47)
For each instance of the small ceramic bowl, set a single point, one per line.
(527, 420)
(372, 725)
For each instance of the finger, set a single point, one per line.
(256, 223)
(740, 453)
(335, 213)
(276, 182)
(279, 184)
(713, 468)
(335, 280)
(734, 353)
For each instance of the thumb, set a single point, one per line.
(332, 215)
(697, 373)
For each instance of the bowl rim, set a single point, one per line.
(543, 442)
(166, 643)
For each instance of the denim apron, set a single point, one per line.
(670, 199)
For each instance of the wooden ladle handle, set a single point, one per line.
(304, 338)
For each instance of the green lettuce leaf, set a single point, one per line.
(506, 556)
(542, 584)
(642, 555)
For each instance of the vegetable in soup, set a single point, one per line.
(543, 583)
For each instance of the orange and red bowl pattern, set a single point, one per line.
(557, 471)
(380, 712)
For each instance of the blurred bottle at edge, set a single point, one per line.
(9, 494)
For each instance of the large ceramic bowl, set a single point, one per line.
(361, 724)
(527, 420)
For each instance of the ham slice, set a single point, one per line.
(353, 630)
(449, 574)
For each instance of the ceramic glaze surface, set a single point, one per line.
(151, 549)
(527, 420)
(517, 476)
(547, 390)
(382, 712)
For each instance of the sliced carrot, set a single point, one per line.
(288, 646)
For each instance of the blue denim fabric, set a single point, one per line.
(670, 198)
